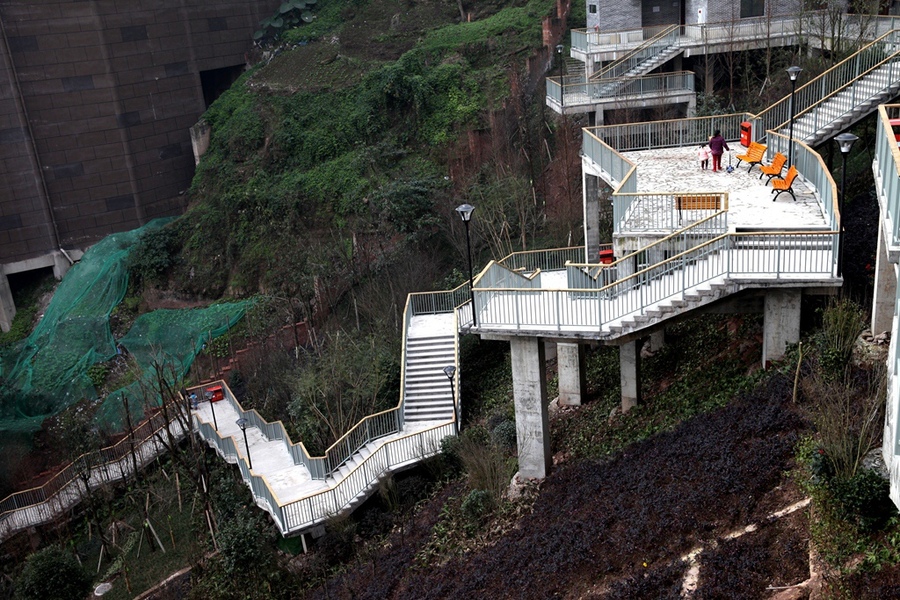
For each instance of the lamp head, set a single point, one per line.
(450, 371)
(242, 423)
(845, 141)
(793, 72)
(559, 48)
(465, 211)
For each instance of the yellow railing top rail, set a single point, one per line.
(886, 120)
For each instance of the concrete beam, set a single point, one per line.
(885, 293)
(530, 400)
(630, 374)
(781, 322)
(570, 365)
(658, 339)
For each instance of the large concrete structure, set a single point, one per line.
(613, 15)
(96, 101)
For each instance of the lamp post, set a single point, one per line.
(562, 98)
(793, 72)
(465, 213)
(212, 408)
(242, 423)
(450, 372)
(845, 141)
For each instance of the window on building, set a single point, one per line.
(752, 8)
(592, 8)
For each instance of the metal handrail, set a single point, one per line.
(652, 47)
(887, 169)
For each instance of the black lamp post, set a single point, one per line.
(465, 213)
(242, 423)
(562, 98)
(212, 408)
(793, 72)
(845, 141)
(450, 372)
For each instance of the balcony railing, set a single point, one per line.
(887, 169)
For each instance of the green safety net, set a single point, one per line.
(164, 344)
(48, 371)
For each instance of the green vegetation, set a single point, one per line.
(52, 574)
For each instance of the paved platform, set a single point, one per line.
(750, 200)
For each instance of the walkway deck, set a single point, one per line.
(750, 202)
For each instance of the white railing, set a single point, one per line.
(116, 463)
(659, 212)
(653, 47)
(553, 259)
(745, 258)
(820, 89)
(577, 92)
(887, 169)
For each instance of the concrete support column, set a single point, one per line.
(885, 292)
(630, 374)
(530, 399)
(7, 306)
(61, 265)
(591, 195)
(570, 365)
(781, 322)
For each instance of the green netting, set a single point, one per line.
(47, 372)
(164, 343)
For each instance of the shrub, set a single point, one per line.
(52, 574)
(477, 505)
(504, 435)
(864, 499)
(488, 467)
(842, 322)
(244, 542)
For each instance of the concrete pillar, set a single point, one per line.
(570, 366)
(7, 306)
(591, 195)
(530, 399)
(781, 322)
(630, 374)
(657, 340)
(61, 265)
(885, 292)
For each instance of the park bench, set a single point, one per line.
(754, 155)
(773, 170)
(697, 202)
(785, 185)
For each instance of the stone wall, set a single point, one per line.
(96, 101)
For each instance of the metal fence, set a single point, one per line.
(887, 168)
(666, 38)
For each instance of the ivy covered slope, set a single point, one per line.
(331, 162)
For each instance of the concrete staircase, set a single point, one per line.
(856, 101)
(427, 392)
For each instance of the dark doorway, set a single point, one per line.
(216, 81)
(661, 12)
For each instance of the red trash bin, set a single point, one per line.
(606, 257)
(746, 131)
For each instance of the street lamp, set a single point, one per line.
(845, 141)
(559, 60)
(212, 408)
(793, 72)
(242, 423)
(450, 371)
(465, 213)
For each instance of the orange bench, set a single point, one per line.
(754, 155)
(785, 185)
(773, 170)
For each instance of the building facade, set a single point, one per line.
(96, 101)
(613, 15)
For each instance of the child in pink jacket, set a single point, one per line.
(703, 156)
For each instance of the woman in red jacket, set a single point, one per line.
(717, 146)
